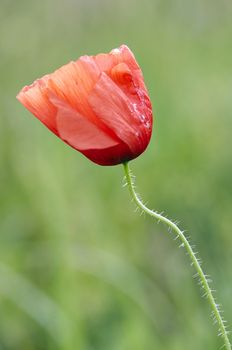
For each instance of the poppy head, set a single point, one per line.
(98, 105)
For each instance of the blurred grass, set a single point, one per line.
(68, 229)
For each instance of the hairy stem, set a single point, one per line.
(204, 282)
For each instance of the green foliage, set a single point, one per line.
(79, 269)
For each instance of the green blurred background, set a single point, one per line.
(79, 269)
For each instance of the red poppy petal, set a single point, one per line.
(110, 156)
(114, 108)
(78, 131)
(35, 98)
(73, 82)
(122, 54)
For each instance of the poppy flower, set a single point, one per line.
(99, 105)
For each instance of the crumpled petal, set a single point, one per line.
(78, 131)
(113, 107)
(36, 99)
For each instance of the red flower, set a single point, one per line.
(99, 105)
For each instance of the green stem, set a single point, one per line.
(185, 243)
